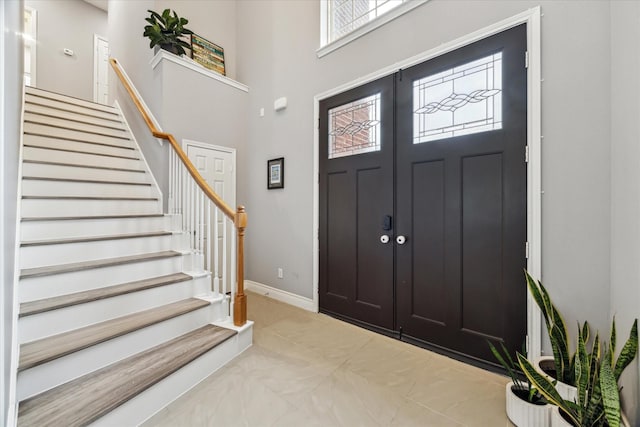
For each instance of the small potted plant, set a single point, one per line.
(166, 31)
(525, 405)
(597, 401)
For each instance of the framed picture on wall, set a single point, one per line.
(275, 173)
(207, 54)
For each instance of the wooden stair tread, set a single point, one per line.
(88, 198)
(84, 181)
(87, 398)
(89, 153)
(75, 165)
(77, 218)
(48, 304)
(94, 238)
(87, 265)
(46, 349)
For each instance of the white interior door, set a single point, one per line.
(101, 70)
(217, 166)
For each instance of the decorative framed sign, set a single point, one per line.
(207, 54)
(275, 173)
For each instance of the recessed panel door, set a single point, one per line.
(356, 204)
(461, 197)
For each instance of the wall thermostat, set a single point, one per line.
(280, 104)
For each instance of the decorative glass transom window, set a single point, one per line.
(347, 15)
(354, 128)
(459, 101)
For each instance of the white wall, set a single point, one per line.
(11, 69)
(625, 183)
(213, 20)
(68, 24)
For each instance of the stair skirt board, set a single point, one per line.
(66, 253)
(47, 228)
(158, 379)
(65, 368)
(76, 316)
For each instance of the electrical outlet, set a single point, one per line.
(280, 273)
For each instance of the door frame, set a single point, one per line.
(96, 37)
(530, 17)
(187, 142)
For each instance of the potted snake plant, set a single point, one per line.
(560, 367)
(525, 405)
(597, 373)
(167, 31)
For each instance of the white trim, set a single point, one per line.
(530, 17)
(32, 40)
(194, 66)
(187, 142)
(280, 295)
(96, 65)
(144, 104)
(379, 21)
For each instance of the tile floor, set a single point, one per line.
(306, 369)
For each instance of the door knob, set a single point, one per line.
(384, 238)
(400, 240)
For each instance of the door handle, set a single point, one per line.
(384, 238)
(401, 240)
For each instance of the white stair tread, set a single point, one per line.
(63, 123)
(50, 111)
(48, 304)
(92, 153)
(46, 349)
(76, 218)
(93, 239)
(84, 181)
(87, 265)
(75, 165)
(87, 398)
(42, 93)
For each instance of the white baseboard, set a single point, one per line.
(280, 295)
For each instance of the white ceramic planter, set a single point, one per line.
(525, 414)
(556, 418)
(566, 391)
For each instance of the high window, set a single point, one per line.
(345, 20)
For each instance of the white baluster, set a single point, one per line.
(209, 247)
(224, 255)
(216, 250)
(232, 284)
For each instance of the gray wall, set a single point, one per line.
(11, 63)
(67, 24)
(625, 182)
(213, 20)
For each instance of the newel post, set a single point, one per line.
(240, 302)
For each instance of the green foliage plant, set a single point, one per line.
(521, 388)
(166, 31)
(597, 373)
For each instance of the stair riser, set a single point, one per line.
(48, 375)
(158, 396)
(39, 256)
(63, 144)
(73, 317)
(57, 207)
(83, 127)
(45, 155)
(81, 118)
(74, 135)
(37, 230)
(32, 187)
(36, 288)
(75, 109)
(66, 100)
(60, 171)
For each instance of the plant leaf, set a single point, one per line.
(610, 393)
(628, 352)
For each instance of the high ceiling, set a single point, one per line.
(100, 4)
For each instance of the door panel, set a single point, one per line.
(461, 199)
(356, 268)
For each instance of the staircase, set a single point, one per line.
(116, 320)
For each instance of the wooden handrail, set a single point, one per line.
(239, 217)
(224, 207)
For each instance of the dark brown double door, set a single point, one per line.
(423, 200)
